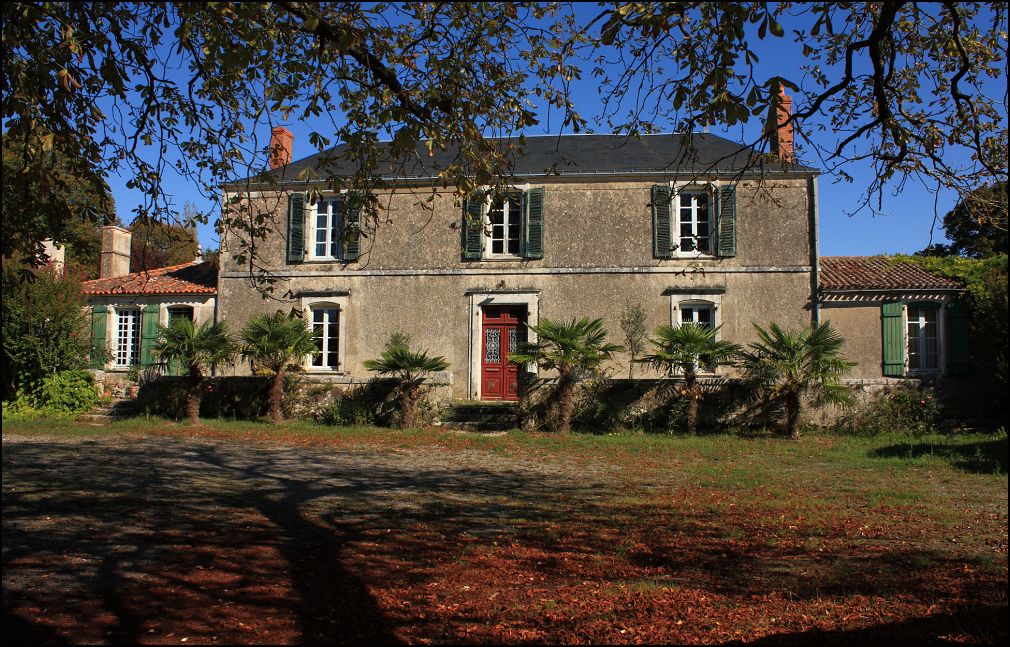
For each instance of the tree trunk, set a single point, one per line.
(194, 394)
(793, 415)
(691, 387)
(566, 402)
(408, 405)
(277, 397)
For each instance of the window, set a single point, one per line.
(180, 312)
(504, 227)
(702, 314)
(127, 342)
(923, 338)
(701, 309)
(694, 221)
(326, 333)
(326, 229)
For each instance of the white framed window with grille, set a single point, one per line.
(701, 309)
(695, 217)
(326, 230)
(327, 316)
(127, 340)
(503, 224)
(326, 333)
(922, 321)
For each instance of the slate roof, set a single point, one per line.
(187, 278)
(579, 155)
(877, 273)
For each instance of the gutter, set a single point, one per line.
(814, 251)
(633, 173)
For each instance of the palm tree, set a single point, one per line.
(278, 343)
(569, 348)
(685, 349)
(196, 349)
(786, 365)
(409, 367)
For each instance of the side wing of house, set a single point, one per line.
(897, 319)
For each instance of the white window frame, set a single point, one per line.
(680, 188)
(940, 325)
(340, 303)
(330, 230)
(134, 332)
(486, 252)
(711, 301)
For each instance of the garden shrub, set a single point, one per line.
(45, 330)
(57, 395)
(911, 408)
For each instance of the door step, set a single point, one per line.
(481, 417)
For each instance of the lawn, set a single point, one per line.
(156, 532)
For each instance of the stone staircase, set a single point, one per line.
(482, 417)
(110, 411)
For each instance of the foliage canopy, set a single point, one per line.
(153, 87)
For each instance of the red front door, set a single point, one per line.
(502, 328)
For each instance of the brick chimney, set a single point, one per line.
(281, 145)
(781, 132)
(115, 252)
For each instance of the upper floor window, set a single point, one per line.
(326, 229)
(127, 343)
(923, 337)
(326, 332)
(504, 226)
(695, 222)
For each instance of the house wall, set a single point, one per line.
(598, 256)
(859, 325)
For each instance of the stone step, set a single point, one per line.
(96, 419)
(492, 428)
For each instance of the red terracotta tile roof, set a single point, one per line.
(187, 278)
(878, 273)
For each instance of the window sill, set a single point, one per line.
(498, 259)
(316, 370)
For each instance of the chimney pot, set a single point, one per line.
(115, 252)
(281, 147)
(781, 132)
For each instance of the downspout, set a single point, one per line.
(814, 251)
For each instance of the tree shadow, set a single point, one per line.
(974, 457)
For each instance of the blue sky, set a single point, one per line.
(903, 225)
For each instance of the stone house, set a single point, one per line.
(694, 228)
(126, 308)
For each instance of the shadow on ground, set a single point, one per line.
(156, 540)
(976, 457)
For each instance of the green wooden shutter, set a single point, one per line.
(662, 233)
(893, 338)
(726, 238)
(958, 362)
(352, 233)
(99, 343)
(149, 320)
(473, 228)
(296, 228)
(534, 223)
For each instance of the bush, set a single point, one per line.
(45, 330)
(904, 409)
(57, 395)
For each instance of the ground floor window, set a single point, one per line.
(127, 343)
(701, 314)
(923, 338)
(326, 332)
(180, 312)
